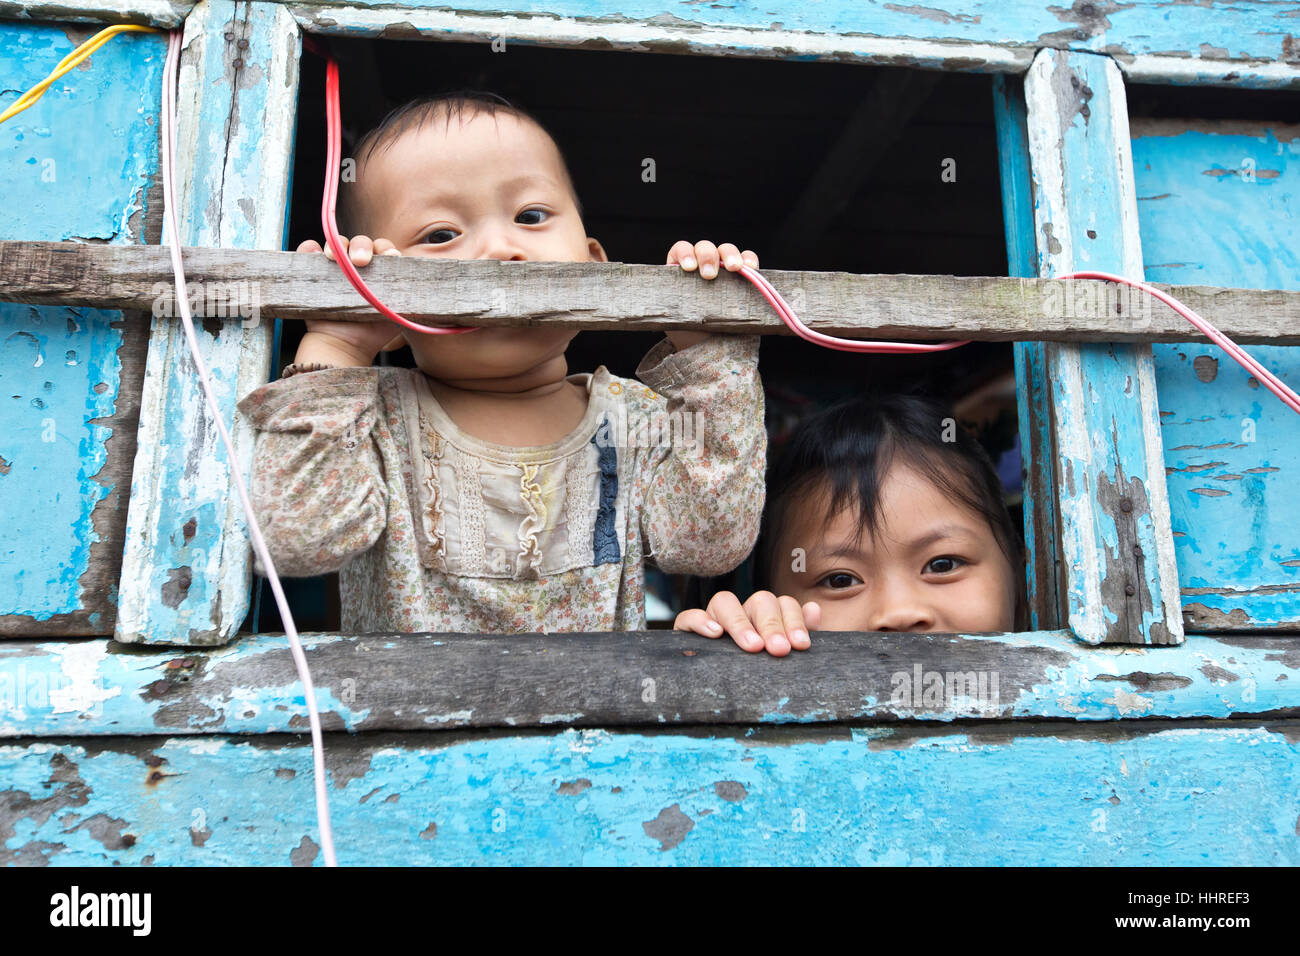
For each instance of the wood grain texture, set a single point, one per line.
(1043, 584)
(653, 678)
(248, 287)
(186, 571)
(1220, 202)
(1139, 794)
(79, 165)
(1120, 577)
(1246, 43)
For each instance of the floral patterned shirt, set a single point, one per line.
(361, 471)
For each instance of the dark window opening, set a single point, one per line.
(736, 143)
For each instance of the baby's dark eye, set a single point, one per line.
(944, 565)
(532, 217)
(439, 236)
(839, 580)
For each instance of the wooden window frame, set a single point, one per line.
(1070, 594)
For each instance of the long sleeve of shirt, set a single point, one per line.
(317, 479)
(704, 488)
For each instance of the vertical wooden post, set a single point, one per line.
(1042, 559)
(1121, 582)
(186, 568)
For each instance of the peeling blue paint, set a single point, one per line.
(1240, 30)
(82, 688)
(1173, 797)
(1222, 208)
(77, 165)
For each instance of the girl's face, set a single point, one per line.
(932, 566)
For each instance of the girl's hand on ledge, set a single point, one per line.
(764, 622)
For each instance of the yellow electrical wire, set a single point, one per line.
(70, 62)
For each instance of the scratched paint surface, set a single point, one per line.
(1031, 378)
(1111, 508)
(82, 688)
(1187, 796)
(1252, 30)
(1223, 208)
(75, 166)
(187, 557)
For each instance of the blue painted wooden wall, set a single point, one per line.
(75, 166)
(1219, 204)
(1141, 777)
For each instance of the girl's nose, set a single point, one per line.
(900, 608)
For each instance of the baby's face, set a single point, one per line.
(933, 566)
(478, 187)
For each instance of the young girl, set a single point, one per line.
(882, 515)
(489, 489)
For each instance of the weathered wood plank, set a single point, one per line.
(1218, 202)
(249, 286)
(1038, 500)
(655, 678)
(78, 164)
(1141, 794)
(186, 570)
(1249, 43)
(1246, 43)
(1116, 545)
(159, 13)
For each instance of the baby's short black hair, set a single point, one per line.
(423, 109)
(848, 450)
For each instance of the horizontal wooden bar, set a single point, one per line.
(1208, 44)
(412, 682)
(248, 285)
(159, 13)
(1151, 793)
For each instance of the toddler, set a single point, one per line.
(489, 489)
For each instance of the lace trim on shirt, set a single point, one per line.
(432, 516)
(473, 530)
(580, 513)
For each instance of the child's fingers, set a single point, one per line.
(750, 259)
(812, 615)
(308, 245)
(385, 247)
(683, 254)
(725, 608)
(329, 250)
(707, 254)
(698, 621)
(361, 249)
(731, 257)
(796, 629)
(765, 611)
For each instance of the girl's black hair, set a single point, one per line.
(849, 448)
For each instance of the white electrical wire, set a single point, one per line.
(182, 303)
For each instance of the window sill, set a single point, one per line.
(421, 682)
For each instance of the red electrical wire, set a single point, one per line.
(333, 148)
(333, 136)
(1242, 357)
(829, 341)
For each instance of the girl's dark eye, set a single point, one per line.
(944, 565)
(532, 217)
(839, 580)
(439, 236)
